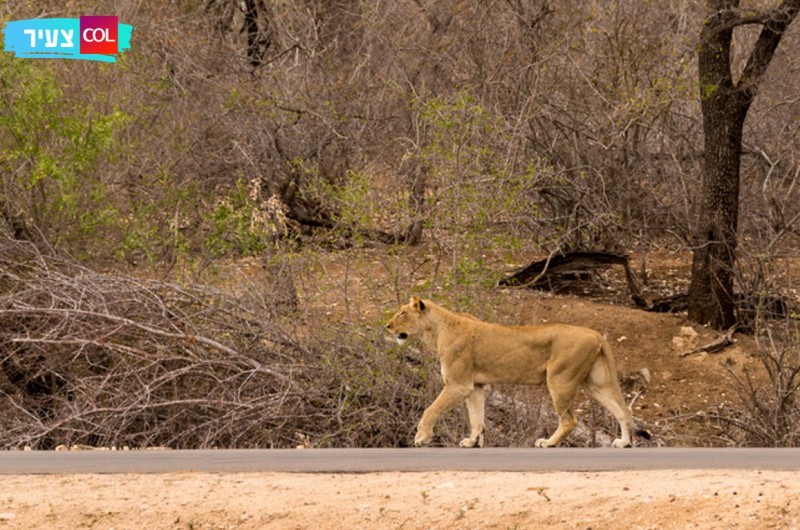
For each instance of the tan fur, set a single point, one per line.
(474, 353)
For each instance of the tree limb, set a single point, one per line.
(775, 26)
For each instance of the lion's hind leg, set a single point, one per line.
(562, 391)
(475, 409)
(603, 386)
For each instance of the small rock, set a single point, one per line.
(685, 340)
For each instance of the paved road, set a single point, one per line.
(371, 460)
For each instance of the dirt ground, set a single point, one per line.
(657, 500)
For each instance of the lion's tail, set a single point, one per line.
(606, 350)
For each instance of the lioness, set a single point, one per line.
(474, 353)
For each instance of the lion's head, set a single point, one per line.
(407, 321)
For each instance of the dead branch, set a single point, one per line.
(714, 346)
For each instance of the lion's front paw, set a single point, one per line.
(619, 443)
(469, 442)
(542, 442)
(472, 442)
(422, 439)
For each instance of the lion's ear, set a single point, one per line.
(417, 304)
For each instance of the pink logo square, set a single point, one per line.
(99, 35)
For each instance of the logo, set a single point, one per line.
(89, 38)
(99, 35)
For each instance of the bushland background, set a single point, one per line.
(199, 243)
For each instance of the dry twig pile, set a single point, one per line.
(104, 359)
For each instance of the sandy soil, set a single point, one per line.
(660, 499)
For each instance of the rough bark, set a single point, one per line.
(724, 103)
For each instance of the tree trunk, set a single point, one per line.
(711, 299)
(419, 186)
(258, 40)
(724, 106)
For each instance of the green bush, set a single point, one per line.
(50, 152)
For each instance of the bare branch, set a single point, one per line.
(775, 26)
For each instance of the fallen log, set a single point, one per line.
(555, 270)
